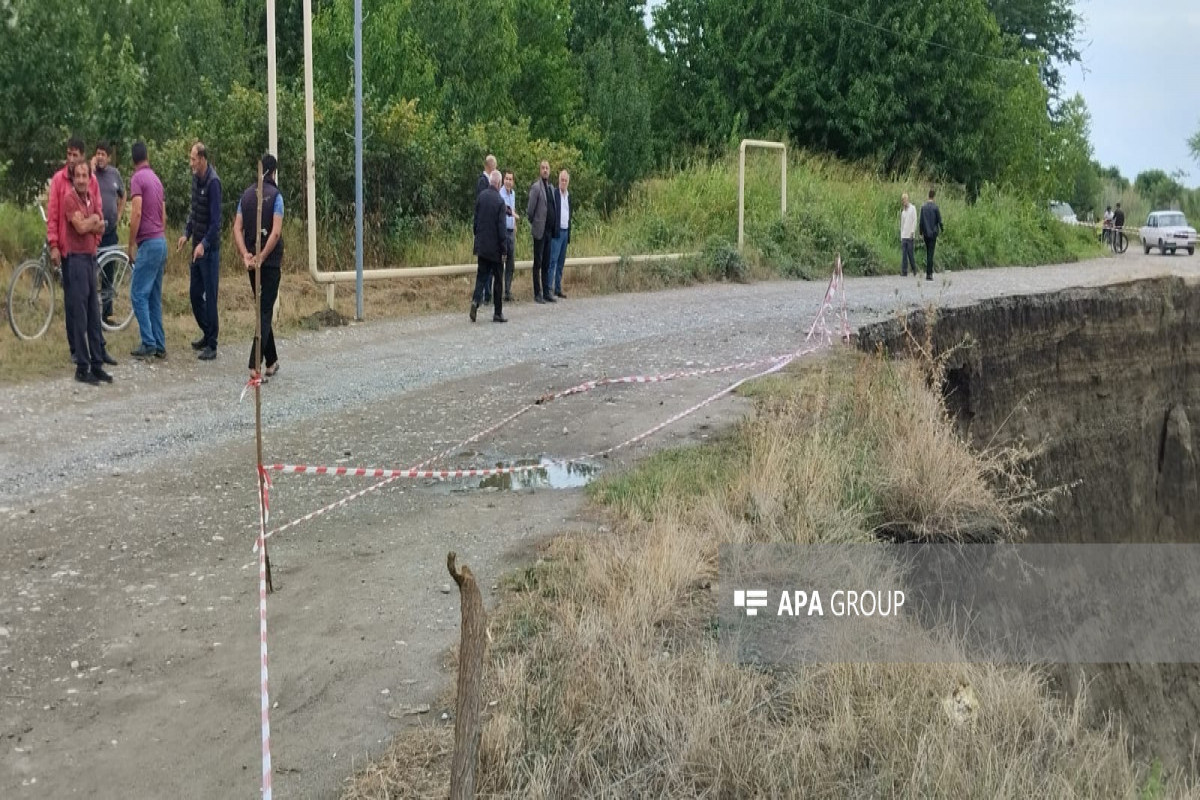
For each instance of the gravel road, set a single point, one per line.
(128, 592)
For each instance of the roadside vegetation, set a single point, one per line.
(832, 208)
(603, 676)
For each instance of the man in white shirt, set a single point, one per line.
(908, 230)
(562, 235)
(510, 205)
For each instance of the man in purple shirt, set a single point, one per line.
(147, 253)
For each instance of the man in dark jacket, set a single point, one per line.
(491, 230)
(485, 179)
(542, 213)
(267, 233)
(931, 227)
(204, 229)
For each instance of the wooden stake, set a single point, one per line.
(262, 476)
(467, 725)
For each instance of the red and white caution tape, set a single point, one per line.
(265, 695)
(835, 291)
(256, 380)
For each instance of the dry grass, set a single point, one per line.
(604, 677)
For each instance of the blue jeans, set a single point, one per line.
(206, 277)
(145, 292)
(558, 257)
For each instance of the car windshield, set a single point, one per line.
(1169, 220)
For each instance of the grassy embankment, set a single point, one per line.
(832, 208)
(603, 677)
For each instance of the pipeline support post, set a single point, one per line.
(741, 232)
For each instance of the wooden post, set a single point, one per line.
(467, 724)
(262, 476)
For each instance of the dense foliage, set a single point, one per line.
(962, 90)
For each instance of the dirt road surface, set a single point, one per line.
(129, 662)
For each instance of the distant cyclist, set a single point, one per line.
(1106, 230)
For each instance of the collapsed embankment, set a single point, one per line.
(1109, 380)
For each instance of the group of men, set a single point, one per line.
(548, 211)
(86, 202)
(930, 223)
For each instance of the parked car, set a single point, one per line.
(1168, 231)
(1064, 212)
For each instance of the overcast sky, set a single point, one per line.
(1141, 79)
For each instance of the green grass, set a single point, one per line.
(832, 207)
(685, 473)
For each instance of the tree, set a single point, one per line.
(909, 79)
(547, 88)
(1159, 188)
(1042, 26)
(1194, 145)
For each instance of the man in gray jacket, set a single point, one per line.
(540, 213)
(931, 227)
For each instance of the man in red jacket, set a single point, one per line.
(82, 226)
(56, 224)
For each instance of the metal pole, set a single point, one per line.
(783, 178)
(358, 162)
(272, 98)
(310, 158)
(741, 194)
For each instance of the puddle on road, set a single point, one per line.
(545, 474)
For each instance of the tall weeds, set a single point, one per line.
(604, 677)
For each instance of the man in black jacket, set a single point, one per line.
(485, 179)
(491, 231)
(265, 231)
(204, 229)
(931, 227)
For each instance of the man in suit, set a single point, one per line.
(562, 234)
(491, 229)
(485, 180)
(541, 213)
(931, 228)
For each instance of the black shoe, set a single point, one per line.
(928, 277)
(101, 375)
(199, 344)
(474, 308)
(549, 299)
(207, 354)
(560, 294)
(499, 318)
(160, 354)
(143, 352)
(538, 299)
(508, 298)
(84, 375)
(107, 359)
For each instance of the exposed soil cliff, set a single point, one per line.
(1109, 379)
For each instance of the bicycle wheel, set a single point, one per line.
(30, 300)
(1121, 243)
(114, 293)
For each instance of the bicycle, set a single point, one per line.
(1118, 241)
(31, 291)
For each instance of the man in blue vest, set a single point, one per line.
(268, 261)
(204, 229)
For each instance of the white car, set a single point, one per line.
(1168, 231)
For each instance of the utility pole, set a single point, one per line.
(358, 162)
